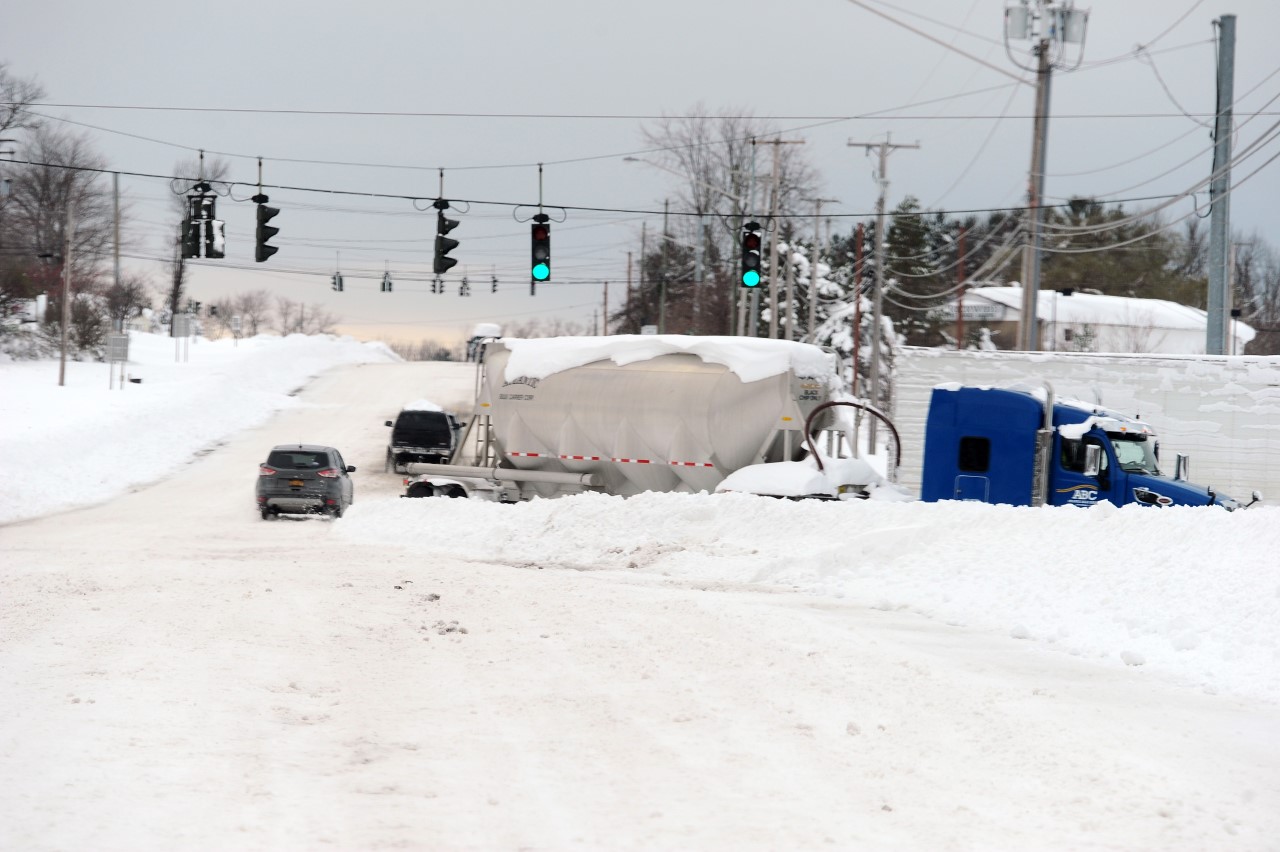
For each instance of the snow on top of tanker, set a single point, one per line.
(421, 405)
(750, 358)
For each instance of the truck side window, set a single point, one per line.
(1072, 455)
(975, 454)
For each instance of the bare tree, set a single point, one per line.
(62, 185)
(126, 299)
(1257, 293)
(254, 309)
(296, 318)
(725, 176)
(17, 94)
(545, 327)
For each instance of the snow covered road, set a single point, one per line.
(177, 674)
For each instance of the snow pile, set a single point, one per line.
(1193, 593)
(71, 445)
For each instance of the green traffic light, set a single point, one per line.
(541, 272)
(751, 278)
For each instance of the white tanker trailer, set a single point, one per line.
(630, 413)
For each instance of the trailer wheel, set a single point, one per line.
(419, 489)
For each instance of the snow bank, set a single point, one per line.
(72, 445)
(1194, 593)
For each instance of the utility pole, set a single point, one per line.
(606, 309)
(960, 294)
(666, 246)
(877, 303)
(813, 264)
(644, 296)
(1049, 25)
(1219, 199)
(773, 240)
(66, 293)
(115, 195)
(857, 308)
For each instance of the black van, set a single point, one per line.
(421, 435)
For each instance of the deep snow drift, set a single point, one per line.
(665, 671)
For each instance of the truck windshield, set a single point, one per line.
(1135, 453)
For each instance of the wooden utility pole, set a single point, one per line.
(666, 273)
(773, 240)
(960, 294)
(877, 303)
(813, 263)
(66, 294)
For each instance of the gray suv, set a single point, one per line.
(303, 479)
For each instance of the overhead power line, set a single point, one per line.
(526, 203)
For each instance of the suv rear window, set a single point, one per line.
(428, 426)
(297, 459)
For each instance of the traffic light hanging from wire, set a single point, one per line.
(751, 254)
(444, 245)
(262, 251)
(540, 264)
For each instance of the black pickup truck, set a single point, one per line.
(426, 435)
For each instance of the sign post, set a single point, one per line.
(117, 353)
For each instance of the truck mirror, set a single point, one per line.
(389, 423)
(1092, 459)
(1181, 467)
(1257, 498)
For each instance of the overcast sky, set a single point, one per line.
(230, 78)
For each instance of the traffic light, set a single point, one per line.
(191, 233)
(386, 282)
(751, 254)
(215, 239)
(444, 245)
(541, 232)
(337, 282)
(265, 232)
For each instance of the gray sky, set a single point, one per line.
(798, 61)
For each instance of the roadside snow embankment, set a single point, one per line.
(81, 443)
(1190, 593)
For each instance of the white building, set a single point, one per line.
(1089, 322)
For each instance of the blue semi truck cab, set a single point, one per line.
(1023, 447)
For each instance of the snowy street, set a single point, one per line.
(666, 672)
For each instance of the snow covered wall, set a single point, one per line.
(1223, 411)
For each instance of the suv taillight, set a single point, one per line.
(263, 470)
(328, 473)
